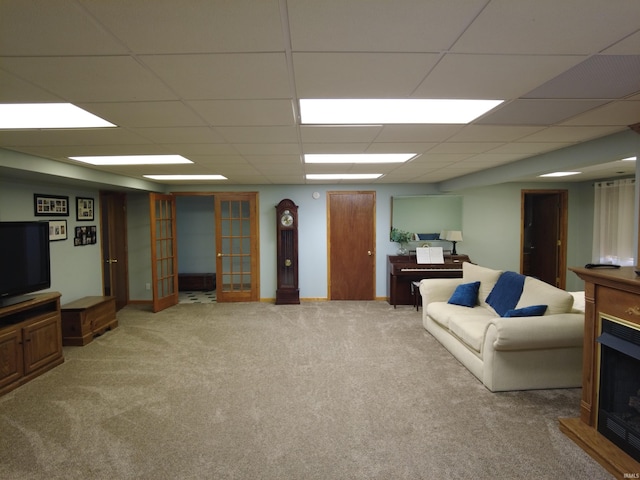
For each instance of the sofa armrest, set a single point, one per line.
(437, 289)
(529, 333)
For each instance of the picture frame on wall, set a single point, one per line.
(50, 205)
(87, 235)
(57, 230)
(84, 209)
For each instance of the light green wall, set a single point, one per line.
(491, 229)
(491, 225)
(76, 271)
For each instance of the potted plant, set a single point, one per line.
(403, 238)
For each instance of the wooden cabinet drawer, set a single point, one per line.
(618, 303)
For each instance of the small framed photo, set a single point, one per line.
(85, 236)
(84, 209)
(50, 205)
(57, 230)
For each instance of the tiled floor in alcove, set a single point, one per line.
(197, 297)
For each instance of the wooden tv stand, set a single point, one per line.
(30, 340)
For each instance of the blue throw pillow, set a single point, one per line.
(465, 295)
(531, 311)
(506, 292)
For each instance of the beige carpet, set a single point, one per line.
(323, 390)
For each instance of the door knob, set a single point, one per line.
(220, 255)
(369, 252)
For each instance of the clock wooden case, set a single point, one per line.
(287, 292)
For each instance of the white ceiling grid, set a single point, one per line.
(218, 81)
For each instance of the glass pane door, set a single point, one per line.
(237, 265)
(164, 258)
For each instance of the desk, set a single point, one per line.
(404, 269)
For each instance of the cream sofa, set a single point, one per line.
(507, 353)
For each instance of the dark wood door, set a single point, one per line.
(113, 217)
(351, 232)
(544, 232)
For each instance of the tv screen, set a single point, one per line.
(24, 260)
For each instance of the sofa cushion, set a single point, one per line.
(486, 276)
(536, 292)
(470, 329)
(506, 292)
(530, 311)
(465, 295)
(443, 312)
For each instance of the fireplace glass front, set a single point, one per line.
(619, 389)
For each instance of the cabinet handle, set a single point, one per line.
(633, 310)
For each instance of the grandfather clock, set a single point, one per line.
(287, 292)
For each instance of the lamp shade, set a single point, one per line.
(443, 235)
(454, 235)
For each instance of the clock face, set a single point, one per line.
(286, 219)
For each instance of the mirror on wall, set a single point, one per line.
(426, 214)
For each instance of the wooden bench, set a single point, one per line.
(86, 318)
(196, 281)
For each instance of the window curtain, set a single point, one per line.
(614, 222)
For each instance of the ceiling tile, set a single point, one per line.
(615, 113)
(164, 26)
(270, 134)
(237, 76)
(571, 134)
(592, 79)
(16, 90)
(268, 149)
(339, 134)
(500, 77)
(145, 114)
(541, 26)
(63, 28)
(417, 133)
(180, 134)
(538, 112)
(91, 79)
(360, 75)
(378, 25)
(245, 112)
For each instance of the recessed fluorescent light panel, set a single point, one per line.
(392, 111)
(133, 160)
(186, 177)
(47, 115)
(560, 174)
(358, 158)
(343, 176)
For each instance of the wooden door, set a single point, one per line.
(113, 217)
(164, 251)
(544, 235)
(237, 262)
(351, 233)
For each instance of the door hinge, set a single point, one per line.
(559, 243)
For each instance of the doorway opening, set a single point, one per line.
(544, 235)
(195, 236)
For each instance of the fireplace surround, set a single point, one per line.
(619, 386)
(610, 296)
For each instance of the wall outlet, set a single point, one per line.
(148, 286)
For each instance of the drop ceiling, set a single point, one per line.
(218, 81)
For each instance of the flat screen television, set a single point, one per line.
(24, 260)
